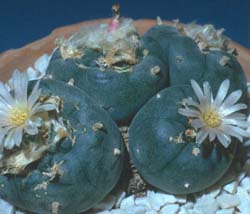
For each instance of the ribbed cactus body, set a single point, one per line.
(86, 165)
(121, 93)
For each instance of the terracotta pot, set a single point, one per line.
(26, 56)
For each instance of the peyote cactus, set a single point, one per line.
(113, 65)
(69, 156)
(163, 146)
(199, 56)
(179, 142)
(61, 152)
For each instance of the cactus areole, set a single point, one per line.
(66, 160)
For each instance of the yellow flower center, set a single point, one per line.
(18, 115)
(211, 118)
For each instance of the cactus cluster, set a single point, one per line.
(181, 86)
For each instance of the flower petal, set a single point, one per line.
(3, 133)
(207, 93)
(212, 135)
(188, 112)
(237, 116)
(201, 136)
(197, 90)
(9, 141)
(43, 107)
(31, 130)
(222, 92)
(224, 139)
(18, 135)
(230, 130)
(197, 123)
(239, 123)
(20, 83)
(5, 94)
(231, 99)
(242, 132)
(234, 108)
(37, 121)
(189, 101)
(34, 95)
(4, 106)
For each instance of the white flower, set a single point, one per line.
(216, 117)
(36, 73)
(18, 111)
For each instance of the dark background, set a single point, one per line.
(24, 21)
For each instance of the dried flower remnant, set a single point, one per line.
(196, 151)
(114, 24)
(176, 139)
(216, 117)
(117, 42)
(206, 36)
(190, 133)
(50, 134)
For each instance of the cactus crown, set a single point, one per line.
(117, 42)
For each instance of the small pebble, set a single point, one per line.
(5, 207)
(136, 210)
(170, 209)
(183, 210)
(151, 212)
(206, 204)
(181, 199)
(227, 201)
(104, 212)
(128, 202)
(230, 188)
(143, 201)
(245, 183)
(244, 197)
(189, 205)
(226, 211)
(118, 211)
(19, 212)
(158, 200)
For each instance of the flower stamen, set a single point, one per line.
(216, 117)
(18, 115)
(211, 118)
